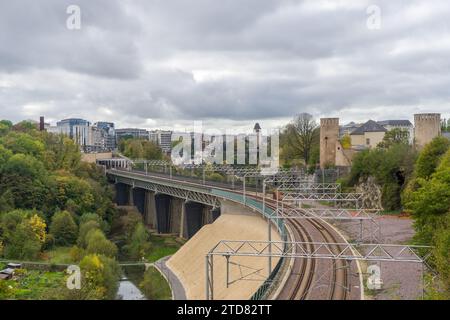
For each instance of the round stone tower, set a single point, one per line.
(329, 135)
(427, 126)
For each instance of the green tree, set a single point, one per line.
(63, 228)
(23, 243)
(138, 245)
(100, 277)
(5, 127)
(140, 149)
(61, 153)
(393, 137)
(5, 154)
(75, 189)
(85, 228)
(27, 179)
(392, 168)
(98, 244)
(429, 204)
(430, 156)
(129, 222)
(24, 143)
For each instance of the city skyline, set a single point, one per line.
(163, 66)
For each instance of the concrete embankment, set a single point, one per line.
(246, 273)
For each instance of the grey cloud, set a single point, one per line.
(137, 62)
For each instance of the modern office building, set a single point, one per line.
(131, 132)
(109, 134)
(97, 138)
(74, 128)
(163, 139)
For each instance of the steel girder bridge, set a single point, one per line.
(178, 189)
(296, 189)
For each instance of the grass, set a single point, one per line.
(326, 203)
(59, 255)
(154, 285)
(163, 246)
(392, 212)
(34, 285)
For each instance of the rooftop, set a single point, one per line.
(396, 123)
(369, 126)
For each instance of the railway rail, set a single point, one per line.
(303, 272)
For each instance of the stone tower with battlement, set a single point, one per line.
(329, 135)
(427, 126)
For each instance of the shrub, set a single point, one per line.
(430, 156)
(76, 253)
(98, 244)
(63, 229)
(138, 245)
(23, 243)
(84, 230)
(154, 286)
(100, 277)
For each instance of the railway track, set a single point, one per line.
(302, 274)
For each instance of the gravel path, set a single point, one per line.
(401, 280)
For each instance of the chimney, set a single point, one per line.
(41, 124)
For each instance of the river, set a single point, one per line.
(128, 291)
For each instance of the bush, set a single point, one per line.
(430, 156)
(98, 244)
(76, 253)
(23, 243)
(216, 177)
(429, 203)
(138, 245)
(391, 168)
(84, 230)
(154, 286)
(129, 223)
(100, 277)
(63, 229)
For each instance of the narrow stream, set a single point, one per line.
(128, 291)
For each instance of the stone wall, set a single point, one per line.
(93, 157)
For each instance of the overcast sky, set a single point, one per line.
(166, 63)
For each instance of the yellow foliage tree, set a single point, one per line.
(346, 142)
(38, 226)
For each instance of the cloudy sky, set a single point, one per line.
(166, 63)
